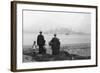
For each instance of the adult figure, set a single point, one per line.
(41, 43)
(55, 45)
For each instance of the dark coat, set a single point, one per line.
(55, 46)
(55, 43)
(40, 40)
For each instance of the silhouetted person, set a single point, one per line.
(41, 43)
(55, 45)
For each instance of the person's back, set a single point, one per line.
(40, 40)
(55, 44)
(41, 43)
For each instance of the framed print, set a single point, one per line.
(47, 36)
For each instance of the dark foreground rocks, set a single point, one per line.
(32, 56)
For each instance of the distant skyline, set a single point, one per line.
(44, 21)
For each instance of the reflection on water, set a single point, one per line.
(28, 38)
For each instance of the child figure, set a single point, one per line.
(34, 47)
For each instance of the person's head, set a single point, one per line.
(34, 42)
(40, 32)
(55, 35)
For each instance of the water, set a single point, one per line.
(28, 38)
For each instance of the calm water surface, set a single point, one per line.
(28, 38)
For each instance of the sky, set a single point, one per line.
(47, 20)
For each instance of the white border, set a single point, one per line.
(34, 65)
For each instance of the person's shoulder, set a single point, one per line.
(57, 38)
(53, 38)
(38, 35)
(42, 35)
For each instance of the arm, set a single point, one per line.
(50, 43)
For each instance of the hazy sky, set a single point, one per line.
(40, 20)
